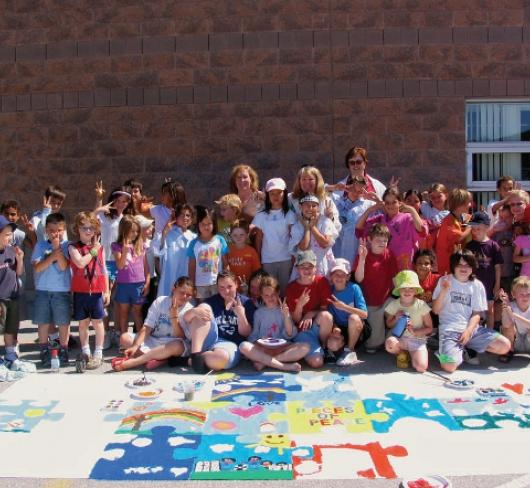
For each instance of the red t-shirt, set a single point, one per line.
(428, 285)
(379, 271)
(319, 294)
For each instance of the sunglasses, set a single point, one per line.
(356, 162)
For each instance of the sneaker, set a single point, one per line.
(24, 366)
(347, 358)
(370, 350)
(45, 358)
(94, 363)
(9, 360)
(107, 341)
(471, 357)
(63, 357)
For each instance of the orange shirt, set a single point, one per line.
(243, 262)
(449, 236)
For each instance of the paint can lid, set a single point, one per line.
(426, 481)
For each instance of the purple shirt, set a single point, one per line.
(133, 272)
(488, 254)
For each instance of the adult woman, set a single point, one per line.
(244, 182)
(219, 325)
(309, 180)
(356, 160)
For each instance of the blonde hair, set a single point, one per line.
(231, 200)
(254, 181)
(518, 194)
(520, 282)
(127, 223)
(319, 192)
(86, 217)
(269, 282)
(458, 197)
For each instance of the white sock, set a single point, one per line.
(86, 350)
(54, 336)
(98, 352)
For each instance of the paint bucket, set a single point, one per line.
(427, 481)
(188, 389)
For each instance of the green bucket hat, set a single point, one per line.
(406, 279)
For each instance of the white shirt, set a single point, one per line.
(276, 228)
(521, 328)
(459, 303)
(109, 233)
(158, 319)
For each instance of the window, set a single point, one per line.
(497, 144)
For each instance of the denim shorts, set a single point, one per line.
(88, 306)
(232, 349)
(129, 293)
(312, 338)
(112, 270)
(52, 307)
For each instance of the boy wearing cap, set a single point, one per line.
(11, 267)
(489, 259)
(348, 308)
(414, 338)
(307, 298)
(313, 231)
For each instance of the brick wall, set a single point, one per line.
(186, 89)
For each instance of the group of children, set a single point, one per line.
(272, 275)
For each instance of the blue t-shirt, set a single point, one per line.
(352, 296)
(52, 278)
(226, 320)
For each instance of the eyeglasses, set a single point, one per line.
(87, 229)
(356, 162)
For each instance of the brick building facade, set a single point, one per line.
(113, 89)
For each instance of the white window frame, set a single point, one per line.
(492, 147)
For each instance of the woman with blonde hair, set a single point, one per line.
(244, 183)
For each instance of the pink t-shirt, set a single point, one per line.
(523, 243)
(405, 237)
(133, 272)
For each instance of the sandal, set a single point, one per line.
(116, 363)
(506, 358)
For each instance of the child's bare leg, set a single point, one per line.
(99, 328)
(126, 340)
(392, 345)
(83, 336)
(137, 317)
(174, 348)
(42, 332)
(123, 317)
(325, 322)
(509, 333)
(293, 353)
(420, 359)
(217, 359)
(490, 317)
(255, 354)
(501, 345)
(355, 327)
(64, 335)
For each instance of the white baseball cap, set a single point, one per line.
(275, 184)
(341, 264)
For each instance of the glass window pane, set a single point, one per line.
(498, 122)
(491, 166)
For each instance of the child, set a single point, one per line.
(141, 203)
(521, 251)
(414, 339)
(489, 259)
(435, 209)
(52, 288)
(11, 267)
(313, 231)
(206, 254)
(348, 308)
(501, 232)
(174, 243)
(10, 209)
(242, 259)
(162, 335)
(516, 318)
(505, 184)
(423, 262)
(133, 276)
(458, 300)
(147, 228)
(273, 321)
(374, 271)
(403, 222)
(172, 194)
(453, 231)
(229, 210)
(52, 202)
(89, 283)
(273, 231)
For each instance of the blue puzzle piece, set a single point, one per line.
(398, 406)
(26, 415)
(315, 387)
(147, 457)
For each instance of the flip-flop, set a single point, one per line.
(116, 362)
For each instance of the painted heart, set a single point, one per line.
(516, 387)
(246, 412)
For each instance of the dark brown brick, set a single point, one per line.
(428, 88)
(102, 97)
(61, 49)
(218, 93)
(394, 88)
(54, 100)
(38, 101)
(498, 88)
(135, 96)
(7, 54)
(260, 40)
(226, 40)
(464, 87)
(296, 40)
(152, 95)
(192, 42)
(93, 48)
(323, 90)
(481, 88)
(366, 37)
(359, 89)
(236, 93)
(168, 96)
(288, 91)
(411, 88)
(270, 92)
(253, 93)
(515, 88)
(470, 35)
(118, 97)
(126, 47)
(185, 94)
(505, 34)
(434, 35)
(23, 103)
(306, 91)
(201, 94)
(70, 99)
(376, 88)
(446, 88)
(527, 87)
(31, 52)
(400, 35)
(158, 44)
(526, 34)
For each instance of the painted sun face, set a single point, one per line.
(276, 441)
